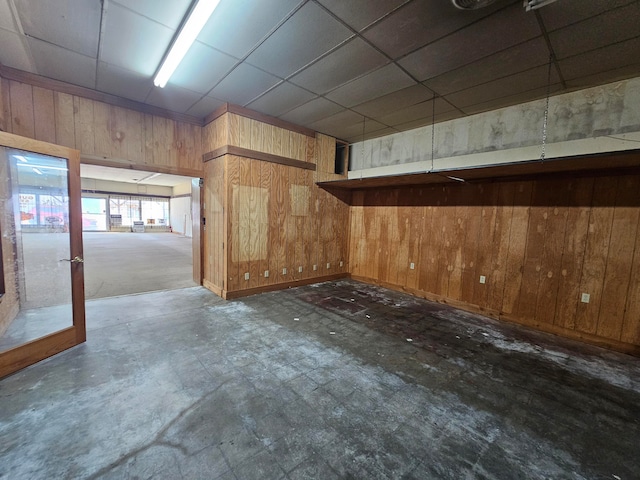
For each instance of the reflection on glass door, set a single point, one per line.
(94, 214)
(42, 304)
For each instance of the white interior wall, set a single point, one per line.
(180, 208)
(98, 185)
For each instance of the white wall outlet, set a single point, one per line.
(328, 266)
(341, 263)
(483, 279)
(585, 297)
(315, 267)
(412, 266)
(266, 274)
(284, 271)
(299, 269)
(246, 276)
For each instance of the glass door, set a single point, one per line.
(42, 295)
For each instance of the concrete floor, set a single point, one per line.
(318, 382)
(115, 264)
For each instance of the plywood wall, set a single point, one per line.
(539, 244)
(100, 130)
(280, 227)
(215, 231)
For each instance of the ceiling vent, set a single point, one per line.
(471, 4)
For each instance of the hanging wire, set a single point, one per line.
(364, 119)
(546, 111)
(433, 129)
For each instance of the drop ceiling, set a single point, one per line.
(126, 175)
(352, 69)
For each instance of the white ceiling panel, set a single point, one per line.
(237, 26)
(127, 175)
(56, 62)
(307, 35)
(394, 101)
(204, 107)
(122, 82)
(202, 68)
(167, 12)
(281, 99)
(244, 84)
(381, 82)
(133, 42)
(14, 52)
(173, 98)
(312, 111)
(73, 25)
(351, 60)
(358, 14)
(7, 20)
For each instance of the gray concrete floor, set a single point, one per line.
(318, 382)
(115, 264)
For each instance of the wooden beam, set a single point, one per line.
(105, 162)
(255, 155)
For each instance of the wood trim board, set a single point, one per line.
(255, 155)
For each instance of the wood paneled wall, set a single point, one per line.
(120, 135)
(274, 218)
(540, 244)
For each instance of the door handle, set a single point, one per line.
(73, 260)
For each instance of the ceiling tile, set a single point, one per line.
(173, 98)
(204, 107)
(334, 124)
(394, 101)
(421, 122)
(376, 84)
(601, 60)
(202, 68)
(244, 84)
(71, 25)
(132, 41)
(312, 111)
(360, 13)
(421, 22)
(518, 98)
(355, 138)
(354, 130)
(13, 52)
(169, 14)
(56, 62)
(419, 111)
(602, 78)
(497, 32)
(237, 26)
(507, 62)
(565, 12)
(124, 83)
(351, 60)
(307, 35)
(281, 99)
(520, 82)
(596, 32)
(6, 17)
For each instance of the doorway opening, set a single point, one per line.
(137, 231)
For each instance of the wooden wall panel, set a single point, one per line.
(100, 131)
(9, 305)
(214, 231)
(539, 243)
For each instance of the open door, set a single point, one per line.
(42, 290)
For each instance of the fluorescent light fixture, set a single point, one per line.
(37, 171)
(457, 179)
(44, 167)
(198, 17)
(148, 177)
(21, 158)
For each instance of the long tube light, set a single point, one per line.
(198, 17)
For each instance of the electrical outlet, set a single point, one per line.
(585, 298)
(266, 274)
(299, 269)
(315, 267)
(284, 271)
(341, 263)
(328, 266)
(246, 276)
(483, 279)
(412, 266)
